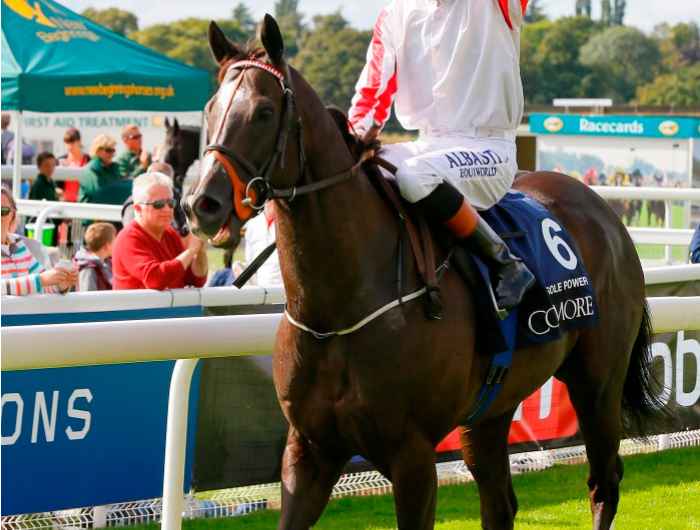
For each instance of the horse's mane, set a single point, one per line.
(357, 146)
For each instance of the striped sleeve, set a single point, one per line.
(20, 274)
(22, 285)
(513, 12)
(376, 87)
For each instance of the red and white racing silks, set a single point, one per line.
(452, 67)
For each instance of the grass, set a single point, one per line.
(656, 252)
(661, 491)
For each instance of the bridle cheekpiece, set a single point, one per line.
(250, 196)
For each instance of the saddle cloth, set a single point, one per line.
(562, 299)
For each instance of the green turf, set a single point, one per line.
(661, 491)
(656, 252)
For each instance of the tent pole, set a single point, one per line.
(17, 161)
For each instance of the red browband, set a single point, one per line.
(252, 63)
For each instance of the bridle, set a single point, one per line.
(251, 196)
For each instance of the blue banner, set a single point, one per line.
(626, 126)
(88, 436)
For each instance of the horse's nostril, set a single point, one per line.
(207, 206)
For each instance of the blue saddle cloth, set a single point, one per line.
(562, 299)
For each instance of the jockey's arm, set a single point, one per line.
(376, 87)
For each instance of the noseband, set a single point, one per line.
(251, 195)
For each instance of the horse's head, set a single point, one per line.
(171, 146)
(252, 136)
(180, 149)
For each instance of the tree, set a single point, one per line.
(551, 66)
(534, 12)
(530, 65)
(241, 14)
(679, 89)
(118, 20)
(331, 58)
(291, 24)
(583, 8)
(623, 59)
(612, 12)
(186, 40)
(618, 15)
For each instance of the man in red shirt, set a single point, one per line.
(148, 252)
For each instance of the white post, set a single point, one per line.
(668, 255)
(176, 444)
(99, 516)
(41, 219)
(17, 162)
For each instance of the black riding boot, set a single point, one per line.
(513, 278)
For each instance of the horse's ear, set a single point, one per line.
(176, 126)
(271, 37)
(167, 123)
(221, 47)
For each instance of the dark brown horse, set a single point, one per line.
(393, 389)
(181, 148)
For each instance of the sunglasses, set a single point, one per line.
(161, 203)
(134, 136)
(6, 210)
(108, 149)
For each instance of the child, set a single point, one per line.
(95, 259)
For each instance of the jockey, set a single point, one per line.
(451, 68)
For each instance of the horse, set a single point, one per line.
(181, 148)
(390, 390)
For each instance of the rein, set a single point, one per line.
(250, 196)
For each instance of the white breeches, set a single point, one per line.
(482, 169)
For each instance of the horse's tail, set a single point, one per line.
(640, 401)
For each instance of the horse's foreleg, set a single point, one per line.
(485, 451)
(413, 475)
(308, 477)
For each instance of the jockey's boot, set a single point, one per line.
(513, 278)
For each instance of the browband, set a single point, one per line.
(247, 63)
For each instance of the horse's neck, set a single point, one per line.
(337, 247)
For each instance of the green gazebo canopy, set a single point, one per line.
(54, 60)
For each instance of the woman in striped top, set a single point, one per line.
(21, 273)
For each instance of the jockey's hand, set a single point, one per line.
(371, 135)
(369, 143)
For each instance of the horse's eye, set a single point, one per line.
(264, 113)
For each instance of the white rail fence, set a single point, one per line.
(664, 236)
(661, 236)
(60, 345)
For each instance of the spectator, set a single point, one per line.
(102, 182)
(179, 217)
(28, 152)
(44, 188)
(134, 161)
(74, 157)
(7, 136)
(95, 259)
(148, 252)
(22, 273)
(695, 246)
(259, 234)
(224, 277)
